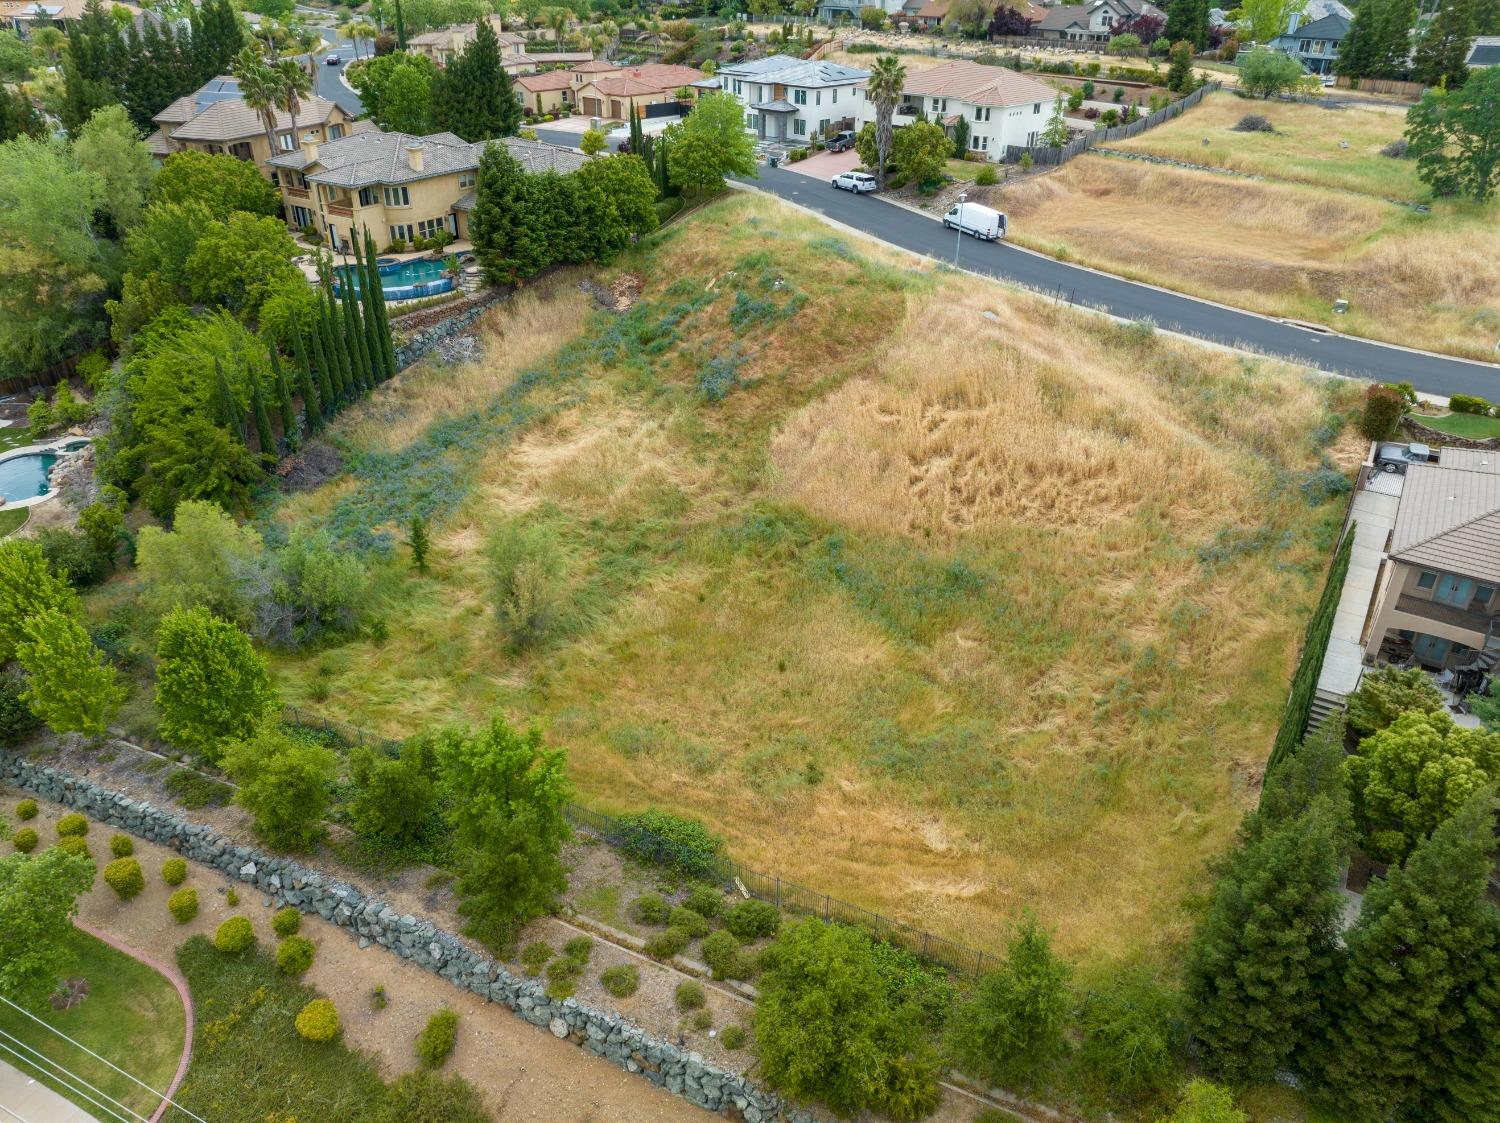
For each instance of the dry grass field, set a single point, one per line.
(1285, 249)
(933, 596)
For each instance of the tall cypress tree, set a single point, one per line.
(1188, 20)
(400, 28)
(284, 399)
(225, 408)
(333, 337)
(1259, 966)
(473, 95)
(369, 283)
(312, 410)
(383, 320)
(358, 347)
(1412, 1026)
(262, 419)
(1442, 54)
(496, 226)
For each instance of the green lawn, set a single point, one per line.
(11, 519)
(132, 1016)
(1469, 425)
(14, 436)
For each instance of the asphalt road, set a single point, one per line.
(327, 84)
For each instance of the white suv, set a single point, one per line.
(858, 182)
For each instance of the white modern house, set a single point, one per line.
(1002, 106)
(794, 99)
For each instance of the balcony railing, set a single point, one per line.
(1445, 614)
(343, 210)
(296, 192)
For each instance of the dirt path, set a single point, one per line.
(524, 1072)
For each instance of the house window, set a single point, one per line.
(818, 97)
(835, 95)
(369, 196)
(396, 197)
(468, 179)
(823, 128)
(1483, 594)
(430, 226)
(980, 143)
(1457, 591)
(1426, 580)
(284, 140)
(939, 105)
(799, 97)
(1037, 108)
(335, 132)
(739, 87)
(799, 126)
(401, 233)
(749, 120)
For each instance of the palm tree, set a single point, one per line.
(48, 43)
(260, 87)
(887, 78)
(294, 84)
(557, 20)
(357, 29)
(611, 32)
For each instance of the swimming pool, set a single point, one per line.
(25, 477)
(403, 280)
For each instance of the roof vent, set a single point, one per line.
(414, 155)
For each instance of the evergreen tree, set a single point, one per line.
(226, 410)
(1442, 54)
(334, 341)
(400, 28)
(494, 225)
(359, 351)
(18, 117)
(217, 38)
(1379, 40)
(284, 399)
(1258, 966)
(1416, 1024)
(327, 381)
(387, 347)
(312, 414)
(419, 543)
(473, 96)
(1188, 20)
(93, 66)
(369, 283)
(262, 418)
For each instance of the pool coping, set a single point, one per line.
(56, 446)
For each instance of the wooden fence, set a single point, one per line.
(1050, 157)
(1380, 86)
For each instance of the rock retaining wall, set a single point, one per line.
(1437, 438)
(371, 921)
(447, 322)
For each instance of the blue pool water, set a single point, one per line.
(403, 280)
(25, 477)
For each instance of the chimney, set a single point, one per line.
(1294, 23)
(414, 155)
(310, 148)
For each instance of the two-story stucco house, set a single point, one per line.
(615, 93)
(397, 185)
(1437, 596)
(445, 43)
(215, 119)
(1002, 106)
(1094, 22)
(795, 99)
(1315, 45)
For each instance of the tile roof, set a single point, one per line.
(933, 9)
(370, 158)
(1329, 27)
(652, 78)
(158, 144)
(1485, 51)
(595, 66)
(788, 71)
(1064, 16)
(1449, 517)
(977, 84)
(780, 105)
(55, 9)
(552, 80)
(550, 57)
(234, 120)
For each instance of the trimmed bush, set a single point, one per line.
(987, 176)
(1253, 123)
(1468, 403)
(232, 898)
(174, 871)
(1383, 410)
(286, 922)
(295, 955)
(721, 951)
(672, 840)
(749, 920)
(435, 1042)
(534, 957)
(705, 900)
(667, 943)
(732, 1037)
(183, 905)
(24, 840)
(76, 846)
(579, 948)
(563, 974)
(689, 921)
(620, 980)
(235, 936)
(650, 908)
(701, 1020)
(690, 996)
(72, 825)
(318, 1021)
(26, 809)
(124, 876)
(121, 846)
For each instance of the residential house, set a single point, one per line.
(22, 16)
(846, 11)
(546, 93)
(561, 58)
(788, 98)
(930, 16)
(214, 118)
(1437, 593)
(1484, 51)
(1002, 106)
(649, 90)
(1315, 45)
(445, 43)
(1093, 22)
(396, 185)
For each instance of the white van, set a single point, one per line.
(976, 219)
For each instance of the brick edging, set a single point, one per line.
(602, 1033)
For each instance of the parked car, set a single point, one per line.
(332, 60)
(983, 222)
(841, 142)
(1396, 458)
(858, 182)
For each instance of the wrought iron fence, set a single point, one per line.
(649, 846)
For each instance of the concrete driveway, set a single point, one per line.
(826, 165)
(21, 1097)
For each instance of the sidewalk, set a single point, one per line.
(22, 1098)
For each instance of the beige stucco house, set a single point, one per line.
(446, 42)
(24, 16)
(1437, 595)
(618, 93)
(397, 185)
(546, 93)
(215, 119)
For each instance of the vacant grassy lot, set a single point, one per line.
(938, 598)
(1305, 148)
(132, 1016)
(1429, 281)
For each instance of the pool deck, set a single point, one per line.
(310, 271)
(57, 446)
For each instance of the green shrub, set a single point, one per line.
(295, 954)
(174, 871)
(319, 1019)
(124, 876)
(24, 840)
(701, 1020)
(620, 980)
(579, 948)
(26, 809)
(73, 844)
(650, 908)
(732, 1037)
(286, 922)
(16, 719)
(425, 1097)
(72, 825)
(534, 957)
(1468, 403)
(183, 905)
(194, 790)
(750, 920)
(235, 936)
(1383, 409)
(672, 840)
(121, 846)
(690, 996)
(987, 176)
(705, 900)
(689, 921)
(667, 943)
(721, 951)
(563, 974)
(435, 1042)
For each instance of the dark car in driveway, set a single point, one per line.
(841, 142)
(1396, 458)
